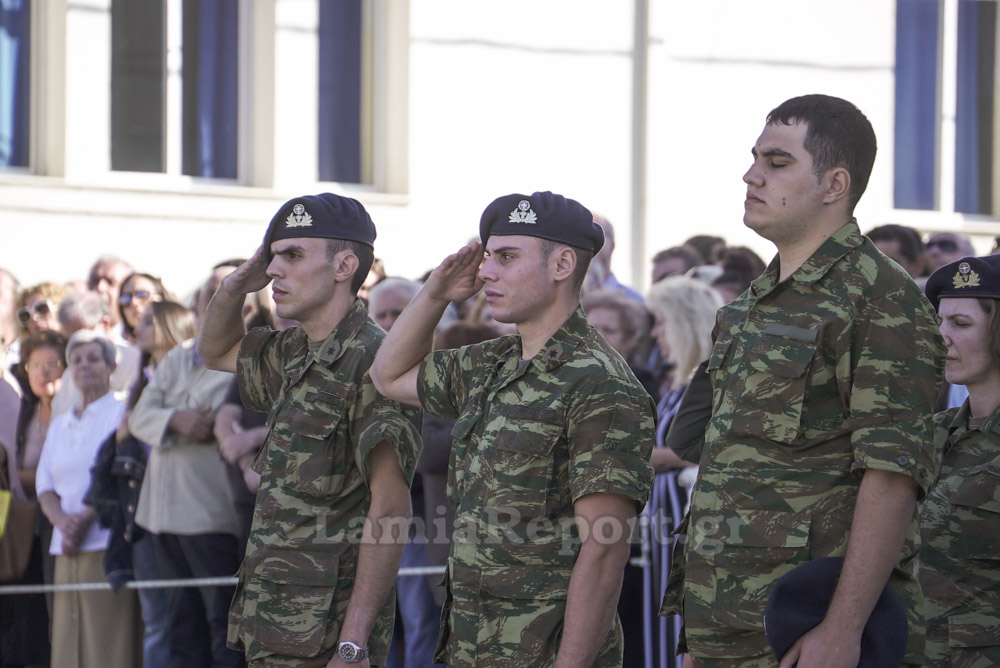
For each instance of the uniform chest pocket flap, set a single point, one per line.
(524, 459)
(317, 461)
(975, 516)
(775, 387)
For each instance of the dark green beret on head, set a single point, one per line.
(544, 215)
(968, 277)
(326, 216)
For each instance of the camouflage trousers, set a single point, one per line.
(278, 661)
(940, 655)
(766, 661)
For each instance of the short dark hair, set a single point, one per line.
(707, 246)
(910, 244)
(364, 253)
(689, 255)
(837, 135)
(583, 259)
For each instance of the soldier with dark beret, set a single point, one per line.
(330, 520)
(960, 520)
(550, 461)
(824, 374)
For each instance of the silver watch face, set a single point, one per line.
(349, 652)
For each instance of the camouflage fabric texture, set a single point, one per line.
(325, 416)
(816, 379)
(531, 438)
(960, 557)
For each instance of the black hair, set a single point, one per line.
(364, 253)
(910, 244)
(837, 135)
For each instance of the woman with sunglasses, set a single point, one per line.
(38, 307)
(960, 521)
(137, 292)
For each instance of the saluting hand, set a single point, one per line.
(250, 276)
(457, 277)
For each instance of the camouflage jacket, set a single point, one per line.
(531, 438)
(324, 417)
(815, 380)
(960, 557)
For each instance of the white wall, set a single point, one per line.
(512, 97)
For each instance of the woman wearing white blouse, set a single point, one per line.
(89, 628)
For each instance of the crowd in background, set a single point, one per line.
(141, 457)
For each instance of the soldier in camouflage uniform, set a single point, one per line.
(960, 521)
(824, 375)
(329, 524)
(550, 462)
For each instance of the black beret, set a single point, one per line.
(326, 216)
(968, 277)
(798, 603)
(544, 215)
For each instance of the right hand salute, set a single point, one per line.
(457, 277)
(250, 276)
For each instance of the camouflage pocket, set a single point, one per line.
(294, 608)
(673, 594)
(315, 464)
(975, 516)
(974, 639)
(444, 634)
(751, 550)
(462, 435)
(774, 391)
(521, 613)
(523, 467)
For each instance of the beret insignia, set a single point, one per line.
(965, 277)
(299, 217)
(523, 213)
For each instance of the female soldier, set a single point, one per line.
(960, 520)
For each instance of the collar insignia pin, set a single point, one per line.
(523, 213)
(299, 217)
(965, 277)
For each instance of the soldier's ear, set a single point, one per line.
(345, 265)
(838, 184)
(565, 263)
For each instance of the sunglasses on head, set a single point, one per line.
(946, 245)
(137, 296)
(41, 309)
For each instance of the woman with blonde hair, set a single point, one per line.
(118, 477)
(38, 307)
(684, 311)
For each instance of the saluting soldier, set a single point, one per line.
(330, 520)
(550, 462)
(960, 521)
(824, 375)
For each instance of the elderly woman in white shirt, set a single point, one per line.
(89, 628)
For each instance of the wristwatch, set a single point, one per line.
(351, 652)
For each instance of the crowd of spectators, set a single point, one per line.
(107, 367)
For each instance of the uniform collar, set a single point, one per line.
(334, 345)
(961, 421)
(560, 346)
(840, 243)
